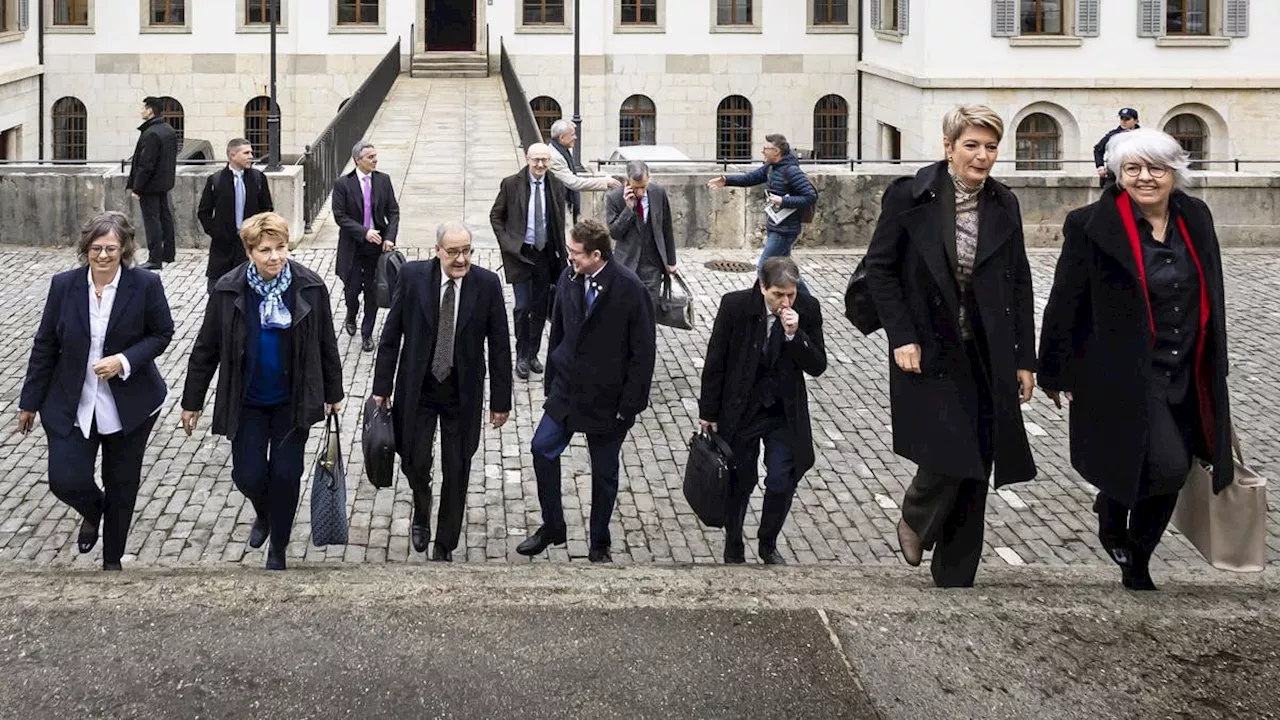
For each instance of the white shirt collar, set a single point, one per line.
(444, 280)
(361, 175)
(236, 171)
(115, 281)
(593, 275)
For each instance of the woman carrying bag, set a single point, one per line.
(269, 327)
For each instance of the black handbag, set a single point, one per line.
(329, 490)
(379, 442)
(858, 305)
(389, 264)
(708, 478)
(675, 310)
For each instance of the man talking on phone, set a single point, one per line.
(639, 220)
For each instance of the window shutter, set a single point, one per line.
(24, 14)
(1150, 18)
(1004, 18)
(1235, 18)
(876, 24)
(904, 16)
(1087, 18)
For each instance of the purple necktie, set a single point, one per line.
(368, 202)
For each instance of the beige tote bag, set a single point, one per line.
(1229, 529)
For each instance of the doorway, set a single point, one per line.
(450, 25)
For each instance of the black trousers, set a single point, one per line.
(455, 468)
(157, 220)
(770, 430)
(71, 460)
(267, 460)
(533, 305)
(948, 513)
(1138, 529)
(362, 279)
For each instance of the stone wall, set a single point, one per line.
(20, 110)
(1246, 207)
(43, 205)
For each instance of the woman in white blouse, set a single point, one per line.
(93, 379)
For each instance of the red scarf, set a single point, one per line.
(1204, 381)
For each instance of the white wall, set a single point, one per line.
(19, 79)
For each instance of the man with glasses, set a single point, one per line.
(528, 220)
(445, 311)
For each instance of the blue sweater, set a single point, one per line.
(266, 357)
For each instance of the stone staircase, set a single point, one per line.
(449, 65)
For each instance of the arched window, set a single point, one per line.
(733, 128)
(70, 130)
(1039, 143)
(831, 128)
(174, 115)
(637, 122)
(1191, 133)
(255, 124)
(545, 111)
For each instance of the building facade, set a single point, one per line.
(19, 83)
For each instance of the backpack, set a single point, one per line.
(389, 264)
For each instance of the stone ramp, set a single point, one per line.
(446, 143)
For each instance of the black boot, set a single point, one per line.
(772, 515)
(420, 530)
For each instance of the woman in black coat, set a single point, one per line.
(269, 327)
(948, 271)
(93, 379)
(1135, 336)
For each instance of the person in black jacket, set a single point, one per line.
(1128, 121)
(765, 339)
(368, 217)
(113, 319)
(445, 310)
(1135, 336)
(599, 369)
(947, 268)
(151, 177)
(268, 332)
(788, 195)
(231, 195)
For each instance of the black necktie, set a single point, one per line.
(775, 341)
(443, 360)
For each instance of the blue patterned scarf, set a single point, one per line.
(272, 309)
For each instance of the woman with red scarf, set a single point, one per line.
(1134, 337)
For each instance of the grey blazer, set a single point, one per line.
(624, 226)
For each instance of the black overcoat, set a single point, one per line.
(1096, 343)
(408, 346)
(348, 212)
(911, 281)
(217, 215)
(509, 217)
(733, 354)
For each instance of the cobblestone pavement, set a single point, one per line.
(845, 511)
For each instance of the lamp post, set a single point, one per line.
(273, 112)
(577, 81)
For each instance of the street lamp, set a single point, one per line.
(577, 81)
(273, 112)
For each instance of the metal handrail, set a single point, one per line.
(1235, 163)
(521, 113)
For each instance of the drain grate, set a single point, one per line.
(732, 266)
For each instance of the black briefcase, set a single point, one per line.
(675, 310)
(379, 442)
(708, 478)
(858, 306)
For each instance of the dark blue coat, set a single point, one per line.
(783, 178)
(140, 327)
(600, 363)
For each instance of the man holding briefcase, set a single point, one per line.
(764, 341)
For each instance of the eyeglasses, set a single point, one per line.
(1134, 170)
(104, 250)
(455, 252)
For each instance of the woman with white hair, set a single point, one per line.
(1135, 337)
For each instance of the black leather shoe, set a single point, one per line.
(539, 541)
(88, 537)
(275, 562)
(154, 265)
(909, 544)
(771, 556)
(599, 555)
(420, 534)
(350, 326)
(522, 369)
(367, 344)
(111, 567)
(259, 532)
(536, 365)
(439, 554)
(734, 553)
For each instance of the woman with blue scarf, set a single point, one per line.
(269, 327)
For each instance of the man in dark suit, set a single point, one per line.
(599, 368)
(764, 341)
(445, 310)
(368, 217)
(230, 195)
(528, 219)
(151, 177)
(639, 219)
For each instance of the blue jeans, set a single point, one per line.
(267, 460)
(778, 244)
(549, 441)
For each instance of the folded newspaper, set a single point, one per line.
(777, 215)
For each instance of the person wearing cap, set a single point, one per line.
(1128, 121)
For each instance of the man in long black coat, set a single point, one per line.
(151, 177)
(368, 217)
(599, 369)
(445, 310)
(765, 339)
(235, 192)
